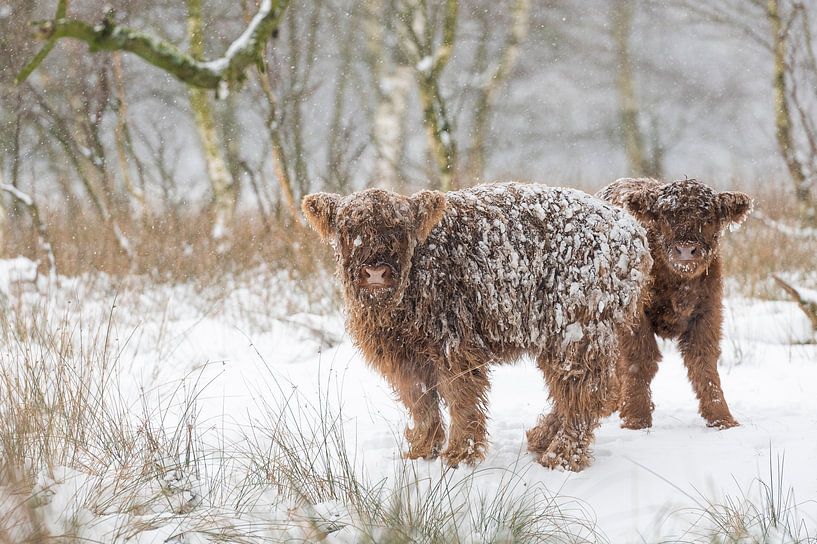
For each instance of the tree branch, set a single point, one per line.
(107, 36)
(62, 6)
(806, 303)
(449, 33)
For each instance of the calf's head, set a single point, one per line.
(686, 220)
(374, 233)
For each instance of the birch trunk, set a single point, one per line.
(222, 185)
(393, 80)
(491, 83)
(782, 114)
(629, 110)
(430, 60)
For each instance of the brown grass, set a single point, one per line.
(756, 251)
(172, 248)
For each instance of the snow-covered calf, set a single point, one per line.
(438, 287)
(684, 220)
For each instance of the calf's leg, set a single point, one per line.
(578, 388)
(464, 387)
(416, 388)
(700, 346)
(637, 365)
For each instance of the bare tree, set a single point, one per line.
(788, 40)
(785, 80)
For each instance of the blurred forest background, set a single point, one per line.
(129, 168)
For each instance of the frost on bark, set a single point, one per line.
(641, 162)
(221, 182)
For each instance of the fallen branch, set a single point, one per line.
(805, 300)
(108, 36)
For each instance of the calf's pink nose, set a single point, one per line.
(375, 275)
(687, 252)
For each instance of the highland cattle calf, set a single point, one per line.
(685, 221)
(439, 287)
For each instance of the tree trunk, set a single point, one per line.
(438, 131)
(121, 138)
(223, 187)
(392, 79)
(782, 115)
(492, 80)
(431, 59)
(629, 110)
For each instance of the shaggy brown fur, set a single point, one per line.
(440, 286)
(684, 221)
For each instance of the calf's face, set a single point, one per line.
(686, 220)
(374, 233)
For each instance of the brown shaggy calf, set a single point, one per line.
(440, 286)
(684, 221)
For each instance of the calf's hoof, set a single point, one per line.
(469, 452)
(424, 444)
(540, 437)
(636, 422)
(565, 456)
(722, 423)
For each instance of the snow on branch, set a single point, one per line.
(805, 233)
(42, 235)
(108, 36)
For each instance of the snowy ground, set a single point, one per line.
(259, 346)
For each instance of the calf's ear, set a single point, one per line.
(641, 203)
(734, 207)
(429, 207)
(320, 210)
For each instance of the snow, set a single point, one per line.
(218, 66)
(265, 342)
(16, 271)
(425, 64)
(18, 194)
